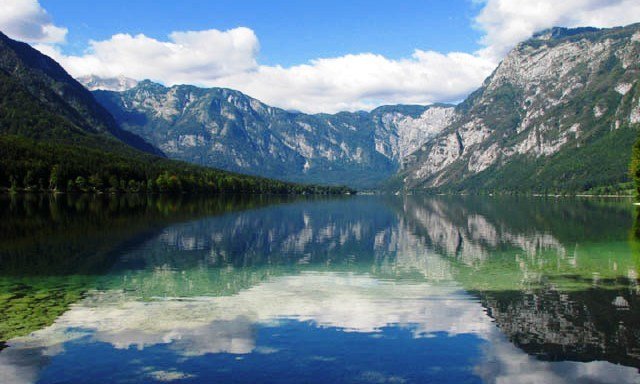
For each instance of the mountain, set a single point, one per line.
(24, 69)
(226, 129)
(55, 136)
(560, 113)
(120, 83)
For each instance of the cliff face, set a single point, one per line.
(229, 130)
(559, 113)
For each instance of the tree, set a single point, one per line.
(26, 163)
(634, 168)
(163, 182)
(28, 180)
(151, 187)
(113, 183)
(54, 178)
(95, 182)
(14, 183)
(81, 183)
(133, 186)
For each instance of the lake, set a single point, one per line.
(363, 289)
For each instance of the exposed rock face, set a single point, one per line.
(120, 83)
(229, 130)
(560, 113)
(554, 109)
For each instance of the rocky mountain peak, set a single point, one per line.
(120, 83)
(227, 129)
(562, 32)
(553, 108)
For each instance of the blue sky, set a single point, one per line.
(290, 32)
(313, 56)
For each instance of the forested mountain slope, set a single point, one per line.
(55, 136)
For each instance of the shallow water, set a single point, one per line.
(359, 290)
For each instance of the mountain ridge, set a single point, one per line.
(227, 129)
(120, 83)
(546, 120)
(54, 136)
(538, 123)
(52, 85)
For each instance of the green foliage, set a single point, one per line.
(634, 167)
(75, 168)
(577, 169)
(41, 148)
(577, 138)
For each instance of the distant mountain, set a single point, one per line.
(229, 130)
(560, 113)
(55, 136)
(120, 83)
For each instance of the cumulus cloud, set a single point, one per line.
(229, 59)
(363, 81)
(350, 82)
(507, 22)
(26, 20)
(186, 57)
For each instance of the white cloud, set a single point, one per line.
(350, 82)
(187, 57)
(26, 20)
(363, 81)
(229, 59)
(507, 22)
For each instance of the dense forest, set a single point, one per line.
(634, 169)
(29, 165)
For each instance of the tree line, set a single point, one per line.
(29, 165)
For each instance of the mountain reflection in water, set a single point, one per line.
(360, 289)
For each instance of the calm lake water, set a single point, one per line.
(355, 290)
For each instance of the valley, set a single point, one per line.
(562, 107)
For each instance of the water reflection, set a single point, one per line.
(354, 290)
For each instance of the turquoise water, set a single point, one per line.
(357, 290)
